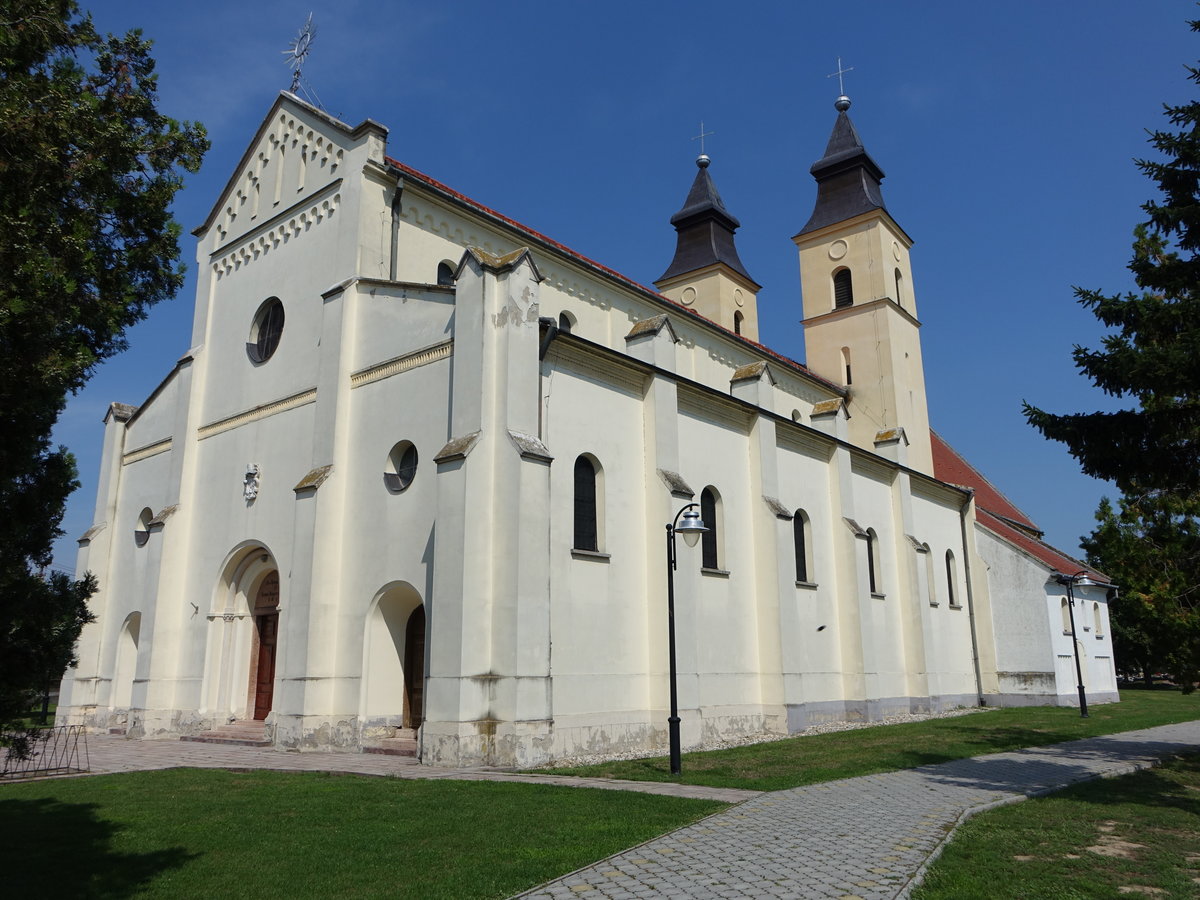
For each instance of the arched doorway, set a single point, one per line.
(127, 651)
(243, 636)
(394, 659)
(266, 633)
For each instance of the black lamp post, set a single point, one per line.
(691, 528)
(1069, 582)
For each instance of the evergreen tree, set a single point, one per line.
(1151, 450)
(88, 168)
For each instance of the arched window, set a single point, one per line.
(846, 376)
(872, 562)
(843, 289)
(930, 593)
(899, 288)
(565, 322)
(141, 533)
(445, 274)
(1098, 619)
(737, 321)
(802, 537)
(587, 507)
(710, 541)
(1066, 616)
(951, 578)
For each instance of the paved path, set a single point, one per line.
(110, 753)
(864, 837)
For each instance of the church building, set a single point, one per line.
(407, 489)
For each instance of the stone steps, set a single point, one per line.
(403, 743)
(243, 733)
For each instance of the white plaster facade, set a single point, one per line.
(528, 648)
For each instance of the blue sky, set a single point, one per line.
(1007, 132)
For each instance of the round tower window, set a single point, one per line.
(265, 331)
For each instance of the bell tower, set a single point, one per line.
(860, 314)
(706, 274)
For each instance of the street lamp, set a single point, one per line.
(691, 528)
(1069, 582)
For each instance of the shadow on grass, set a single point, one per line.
(67, 848)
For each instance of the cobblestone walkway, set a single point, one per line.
(858, 838)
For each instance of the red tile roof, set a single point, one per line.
(998, 514)
(612, 273)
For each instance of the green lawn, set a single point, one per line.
(824, 757)
(1137, 836)
(198, 833)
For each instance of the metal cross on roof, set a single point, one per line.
(701, 136)
(839, 73)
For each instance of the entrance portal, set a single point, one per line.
(266, 628)
(414, 669)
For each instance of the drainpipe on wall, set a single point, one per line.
(962, 522)
(396, 197)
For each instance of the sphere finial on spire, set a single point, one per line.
(842, 103)
(702, 160)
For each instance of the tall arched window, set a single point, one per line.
(951, 578)
(737, 321)
(843, 289)
(587, 508)
(847, 379)
(1098, 619)
(710, 541)
(565, 322)
(872, 562)
(899, 288)
(445, 274)
(930, 592)
(1066, 616)
(801, 536)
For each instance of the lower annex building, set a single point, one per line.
(410, 483)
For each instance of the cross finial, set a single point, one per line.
(839, 73)
(700, 137)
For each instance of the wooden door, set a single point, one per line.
(264, 683)
(414, 668)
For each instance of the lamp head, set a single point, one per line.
(691, 526)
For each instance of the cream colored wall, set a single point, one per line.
(717, 294)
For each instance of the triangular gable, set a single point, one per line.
(290, 121)
(1051, 557)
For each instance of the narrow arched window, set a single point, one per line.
(843, 289)
(803, 546)
(872, 562)
(1098, 619)
(737, 322)
(565, 322)
(710, 541)
(899, 288)
(847, 378)
(586, 532)
(1066, 616)
(445, 274)
(930, 593)
(951, 578)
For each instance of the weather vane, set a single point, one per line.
(703, 158)
(297, 51)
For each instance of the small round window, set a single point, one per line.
(265, 331)
(401, 467)
(141, 534)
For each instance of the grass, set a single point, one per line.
(1136, 836)
(190, 833)
(808, 760)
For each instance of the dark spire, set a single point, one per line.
(847, 178)
(704, 229)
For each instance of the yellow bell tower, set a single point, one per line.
(860, 314)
